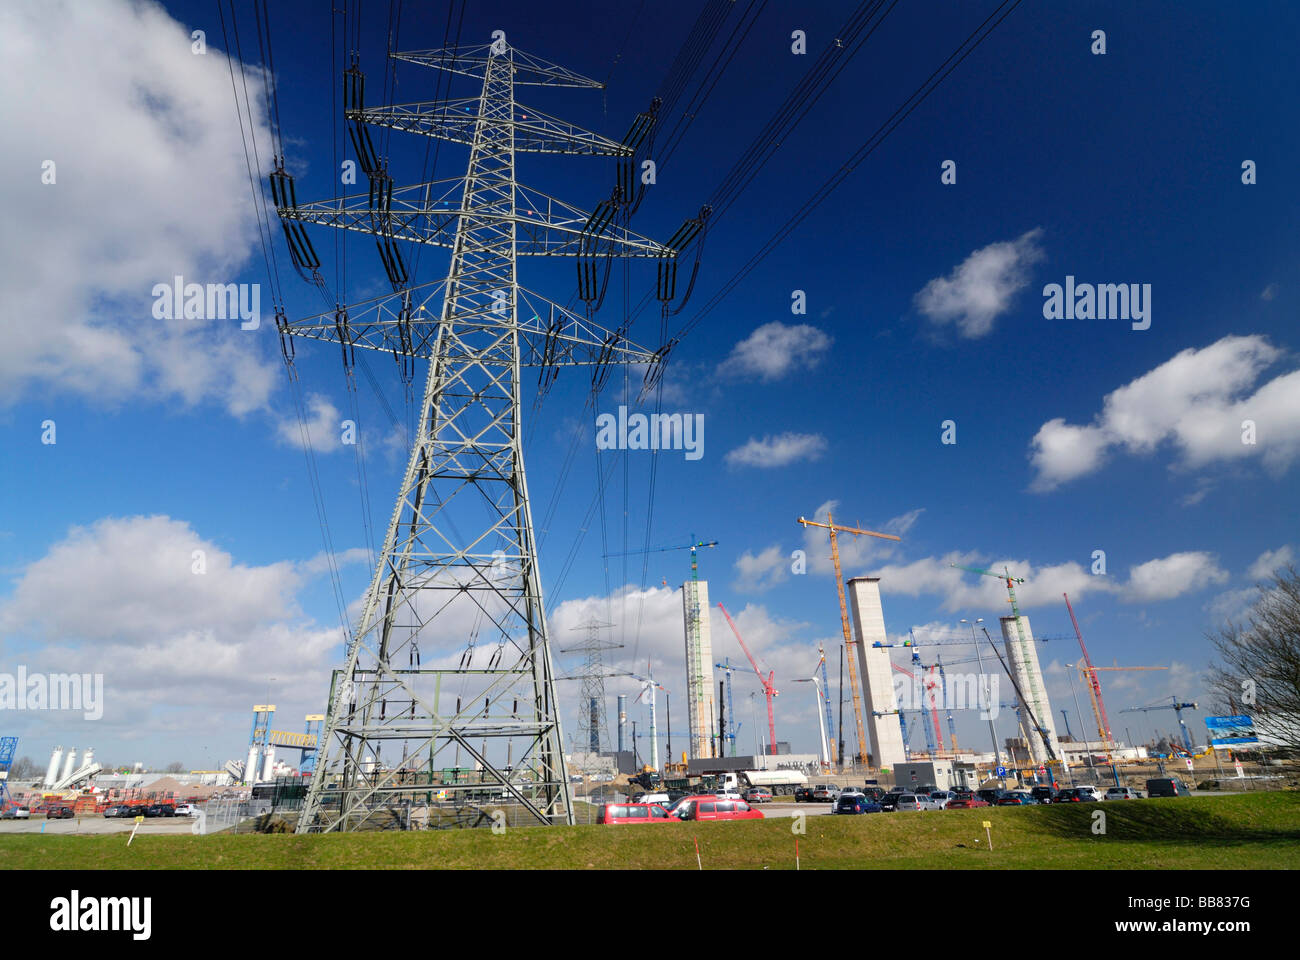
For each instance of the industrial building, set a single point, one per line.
(876, 672)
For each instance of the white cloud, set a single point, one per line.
(1234, 605)
(150, 184)
(1197, 400)
(323, 422)
(774, 349)
(761, 571)
(1172, 576)
(778, 450)
(164, 636)
(1268, 292)
(981, 287)
(1269, 561)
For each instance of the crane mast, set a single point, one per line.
(849, 644)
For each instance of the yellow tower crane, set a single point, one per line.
(849, 645)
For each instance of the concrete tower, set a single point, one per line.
(885, 735)
(1022, 658)
(699, 668)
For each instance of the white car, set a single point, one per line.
(1091, 790)
(941, 797)
(16, 813)
(660, 798)
(916, 801)
(186, 810)
(1123, 793)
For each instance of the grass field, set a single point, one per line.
(1248, 832)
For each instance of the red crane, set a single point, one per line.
(769, 688)
(1098, 707)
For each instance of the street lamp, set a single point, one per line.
(1069, 672)
(988, 693)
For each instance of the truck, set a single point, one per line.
(780, 782)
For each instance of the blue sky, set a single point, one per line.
(1072, 435)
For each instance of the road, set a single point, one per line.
(98, 824)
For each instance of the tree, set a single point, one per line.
(175, 767)
(24, 768)
(1259, 672)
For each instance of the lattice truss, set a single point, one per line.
(445, 705)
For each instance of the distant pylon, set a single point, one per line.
(593, 717)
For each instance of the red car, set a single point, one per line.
(614, 813)
(966, 803)
(715, 808)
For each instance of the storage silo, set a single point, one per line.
(52, 771)
(69, 764)
(268, 763)
(250, 766)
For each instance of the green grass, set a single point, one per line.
(1255, 831)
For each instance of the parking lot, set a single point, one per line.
(93, 824)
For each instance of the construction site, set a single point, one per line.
(435, 569)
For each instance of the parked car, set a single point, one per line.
(924, 790)
(1077, 795)
(856, 803)
(942, 797)
(15, 812)
(1017, 798)
(660, 798)
(873, 792)
(1123, 793)
(966, 802)
(616, 813)
(825, 792)
(889, 802)
(758, 795)
(1043, 793)
(189, 810)
(58, 812)
(803, 794)
(703, 808)
(1090, 792)
(915, 801)
(160, 810)
(1167, 787)
(990, 795)
(111, 811)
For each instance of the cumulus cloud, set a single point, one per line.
(1173, 576)
(761, 571)
(149, 184)
(778, 450)
(177, 626)
(1198, 401)
(981, 287)
(775, 349)
(1269, 561)
(324, 425)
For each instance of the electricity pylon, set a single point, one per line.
(593, 717)
(459, 567)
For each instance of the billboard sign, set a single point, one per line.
(1231, 731)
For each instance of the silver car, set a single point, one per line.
(913, 801)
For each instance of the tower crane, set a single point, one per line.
(769, 688)
(1094, 684)
(849, 644)
(1178, 707)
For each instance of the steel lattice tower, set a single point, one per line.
(458, 574)
(593, 715)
